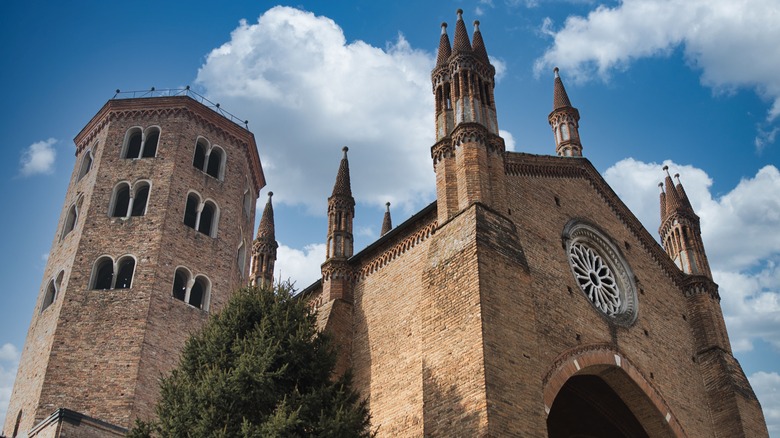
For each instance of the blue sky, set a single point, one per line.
(694, 84)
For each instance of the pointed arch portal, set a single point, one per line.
(596, 392)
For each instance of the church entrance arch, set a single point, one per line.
(596, 392)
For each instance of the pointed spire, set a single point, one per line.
(461, 42)
(681, 192)
(343, 186)
(560, 98)
(266, 230)
(663, 201)
(672, 198)
(444, 46)
(387, 223)
(479, 44)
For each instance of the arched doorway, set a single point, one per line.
(586, 406)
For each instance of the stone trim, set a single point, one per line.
(575, 360)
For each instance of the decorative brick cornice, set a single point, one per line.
(335, 269)
(469, 132)
(342, 203)
(402, 245)
(442, 149)
(681, 215)
(700, 285)
(467, 61)
(522, 164)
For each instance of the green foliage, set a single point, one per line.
(257, 369)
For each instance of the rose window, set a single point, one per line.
(601, 272)
(595, 278)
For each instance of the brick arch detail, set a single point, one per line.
(588, 360)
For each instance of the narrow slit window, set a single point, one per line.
(241, 258)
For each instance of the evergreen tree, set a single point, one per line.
(259, 368)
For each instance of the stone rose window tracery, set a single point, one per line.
(601, 272)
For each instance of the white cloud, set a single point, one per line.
(767, 388)
(500, 67)
(9, 361)
(38, 158)
(733, 43)
(307, 92)
(300, 267)
(740, 236)
(509, 139)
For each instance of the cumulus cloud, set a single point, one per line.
(9, 361)
(307, 92)
(734, 44)
(302, 267)
(767, 388)
(739, 230)
(38, 158)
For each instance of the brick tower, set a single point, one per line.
(564, 121)
(152, 238)
(264, 248)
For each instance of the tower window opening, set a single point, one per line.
(86, 164)
(209, 159)
(247, 203)
(207, 218)
(134, 144)
(198, 296)
(199, 160)
(180, 280)
(201, 216)
(191, 211)
(215, 163)
(52, 291)
(150, 144)
(195, 292)
(139, 200)
(72, 218)
(16, 425)
(125, 273)
(241, 258)
(447, 97)
(565, 132)
(104, 274)
(121, 200)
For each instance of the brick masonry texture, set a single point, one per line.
(101, 352)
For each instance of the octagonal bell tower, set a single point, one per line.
(154, 236)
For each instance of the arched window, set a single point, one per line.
(201, 216)
(199, 293)
(140, 199)
(214, 167)
(209, 159)
(86, 164)
(199, 160)
(247, 203)
(180, 281)
(121, 200)
(149, 148)
(52, 291)
(207, 216)
(194, 292)
(241, 258)
(133, 140)
(125, 269)
(70, 220)
(191, 210)
(103, 276)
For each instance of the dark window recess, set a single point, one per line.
(206, 219)
(191, 211)
(134, 145)
(179, 285)
(139, 203)
(196, 294)
(105, 274)
(121, 202)
(150, 146)
(125, 276)
(215, 161)
(200, 156)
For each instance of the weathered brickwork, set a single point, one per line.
(101, 352)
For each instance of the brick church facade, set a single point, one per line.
(527, 300)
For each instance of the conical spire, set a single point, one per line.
(266, 229)
(444, 46)
(461, 42)
(681, 192)
(387, 223)
(479, 45)
(672, 198)
(343, 186)
(560, 98)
